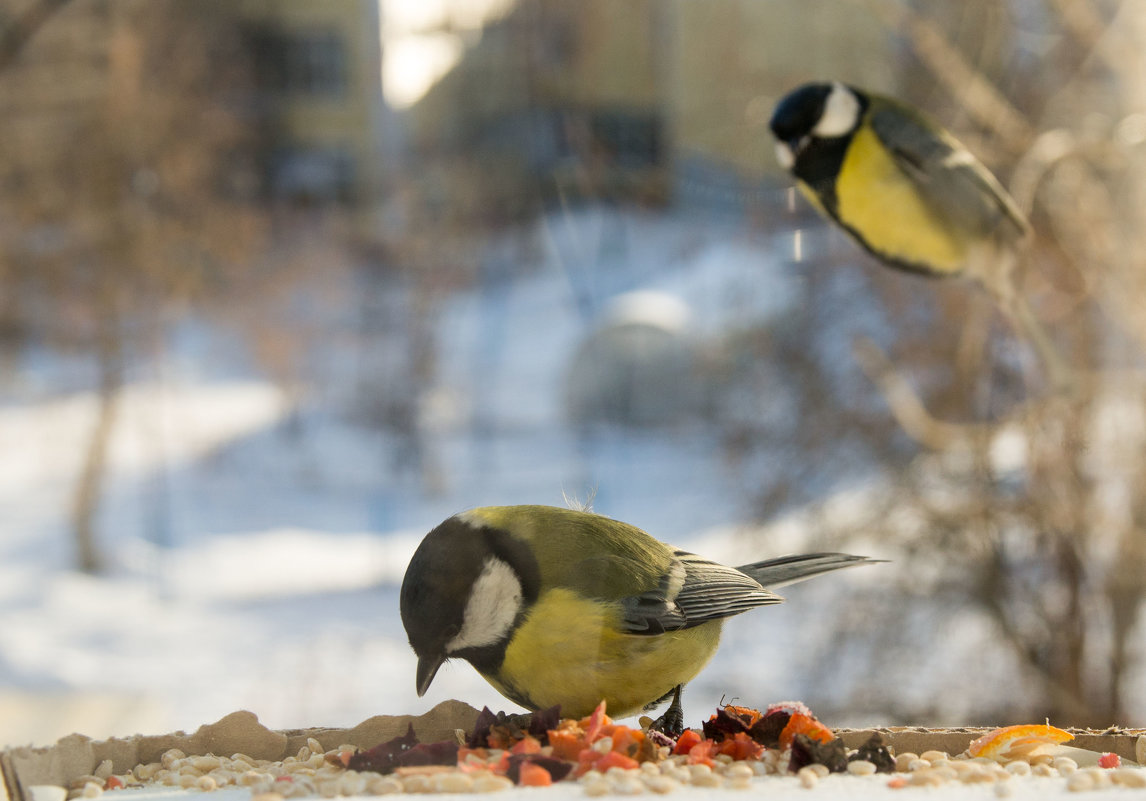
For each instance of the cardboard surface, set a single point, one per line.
(240, 732)
(955, 741)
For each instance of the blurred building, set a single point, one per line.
(641, 100)
(317, 70)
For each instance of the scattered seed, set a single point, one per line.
(927, 778)
(917, 764)
(170, 756)
(903, 760)
(1065, 765)
(1128, 777)
(628, 785)
(452, 782)
(931, 756)
(861, 767)
(205, 764)
(818, 769)
(1003, 789)
(386, 785)
(709, 779)
(808, 777)
(738, 771)
(598, 787)
(1080, 782)
(206, 783)
(92, 790)
(1043, 769)
(416, 783)
(1018, 768)
(1100, 777)
(977, 775)
(662, 785)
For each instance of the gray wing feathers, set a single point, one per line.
(694, 591)
(948, 177)
(776, 573)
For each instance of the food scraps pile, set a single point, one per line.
(732, 749)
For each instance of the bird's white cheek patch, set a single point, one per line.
(841, 113)
(784, 155)
(494, 603)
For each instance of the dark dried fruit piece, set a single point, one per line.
(558, 768)
(806, 751)
(875, 751)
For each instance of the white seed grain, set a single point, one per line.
(205, 764)
(1128, 777)
(933, 755)
(927, 778)
(861, 767)
(1065, 765)
(598, 787)
(662, 785)
(1018, 768)
(738, 770)
(206, 784)
(709, 779)
(383, 785)
(808, 778)
(903, 760)
(1080, 782)
(416, 783)
(452, 782)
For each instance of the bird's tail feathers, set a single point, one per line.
(785, 570)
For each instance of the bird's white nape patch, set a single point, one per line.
(840, 115)
(784, 155)
(495, 599)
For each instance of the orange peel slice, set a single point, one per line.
(1017, 740)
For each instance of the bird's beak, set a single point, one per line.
(427, 669)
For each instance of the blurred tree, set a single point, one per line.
(124, 165)
(1013, 505)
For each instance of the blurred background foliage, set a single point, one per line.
(313, 183)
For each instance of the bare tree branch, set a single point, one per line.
(970, 88)
(16, 35)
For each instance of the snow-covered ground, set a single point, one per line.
(256, 539)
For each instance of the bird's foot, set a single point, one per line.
(671, 723)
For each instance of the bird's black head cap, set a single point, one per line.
(798, 111)
(440, 580)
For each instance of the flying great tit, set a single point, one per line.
(558, 606)
(908, 192)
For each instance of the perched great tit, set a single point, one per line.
(907, 192)
(558, 606)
